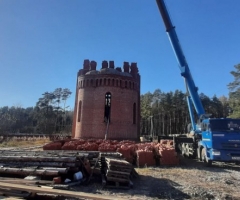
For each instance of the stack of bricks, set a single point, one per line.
(168, 155)
(145, 155)
(145, 158)
(141, 154)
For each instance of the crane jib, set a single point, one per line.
(185, 71)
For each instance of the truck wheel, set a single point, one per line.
(207, 162)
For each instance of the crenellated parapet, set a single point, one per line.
(89, 66)
(126, 77)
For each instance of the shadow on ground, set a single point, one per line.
(216, 166)
(145, 186)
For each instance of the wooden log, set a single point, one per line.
(25, 181)
(40, 164)
(37, 159)
(65, 193)
(30, 171)
(56, 153)
(60, 170)
(14, 193)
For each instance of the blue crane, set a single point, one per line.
(210, 139)
(192, 90)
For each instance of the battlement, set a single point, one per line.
(126, 68)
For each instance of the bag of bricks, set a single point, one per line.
(106, 147)
(168, 156)
(71, 145)
(53, 146)
(88, 146)
(145, 158)
(126, 153)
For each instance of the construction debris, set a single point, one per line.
(140, 154)
(64, 169)
(116, 173)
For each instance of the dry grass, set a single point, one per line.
(24, 143)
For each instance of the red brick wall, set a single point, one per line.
(92, 123)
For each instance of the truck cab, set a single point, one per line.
(220, 140)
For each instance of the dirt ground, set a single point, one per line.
(190, 180)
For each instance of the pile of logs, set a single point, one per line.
(58, 169)
(43, 163)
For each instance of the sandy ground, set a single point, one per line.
(190, 180)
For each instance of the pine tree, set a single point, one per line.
(234, 94)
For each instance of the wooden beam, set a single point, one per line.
(65, 193)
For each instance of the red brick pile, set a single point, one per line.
(145, 158)
(142, 154)
(168, 155)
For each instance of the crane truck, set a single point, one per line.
(208, 139)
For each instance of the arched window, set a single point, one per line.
(100, 82)
(134, 113)
(125, 84)
(81, 84)
(112, 82)
(117, 83)
(107, 110)
(87, 83)
(105, 81)
(109, 81)
(79, 110)
(120, 83)
(96, 82)
(130, 86)
(91, 82)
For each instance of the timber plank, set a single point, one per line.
(34, 189)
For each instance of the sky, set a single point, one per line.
(43, 44)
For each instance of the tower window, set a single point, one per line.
(107, 110)
(79, 110)
(134, 113)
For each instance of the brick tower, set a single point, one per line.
(107, 102)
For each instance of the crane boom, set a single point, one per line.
(192, 90)
(211, 139)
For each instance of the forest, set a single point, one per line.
(167, 113)
(162, 113)
(49, 115)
